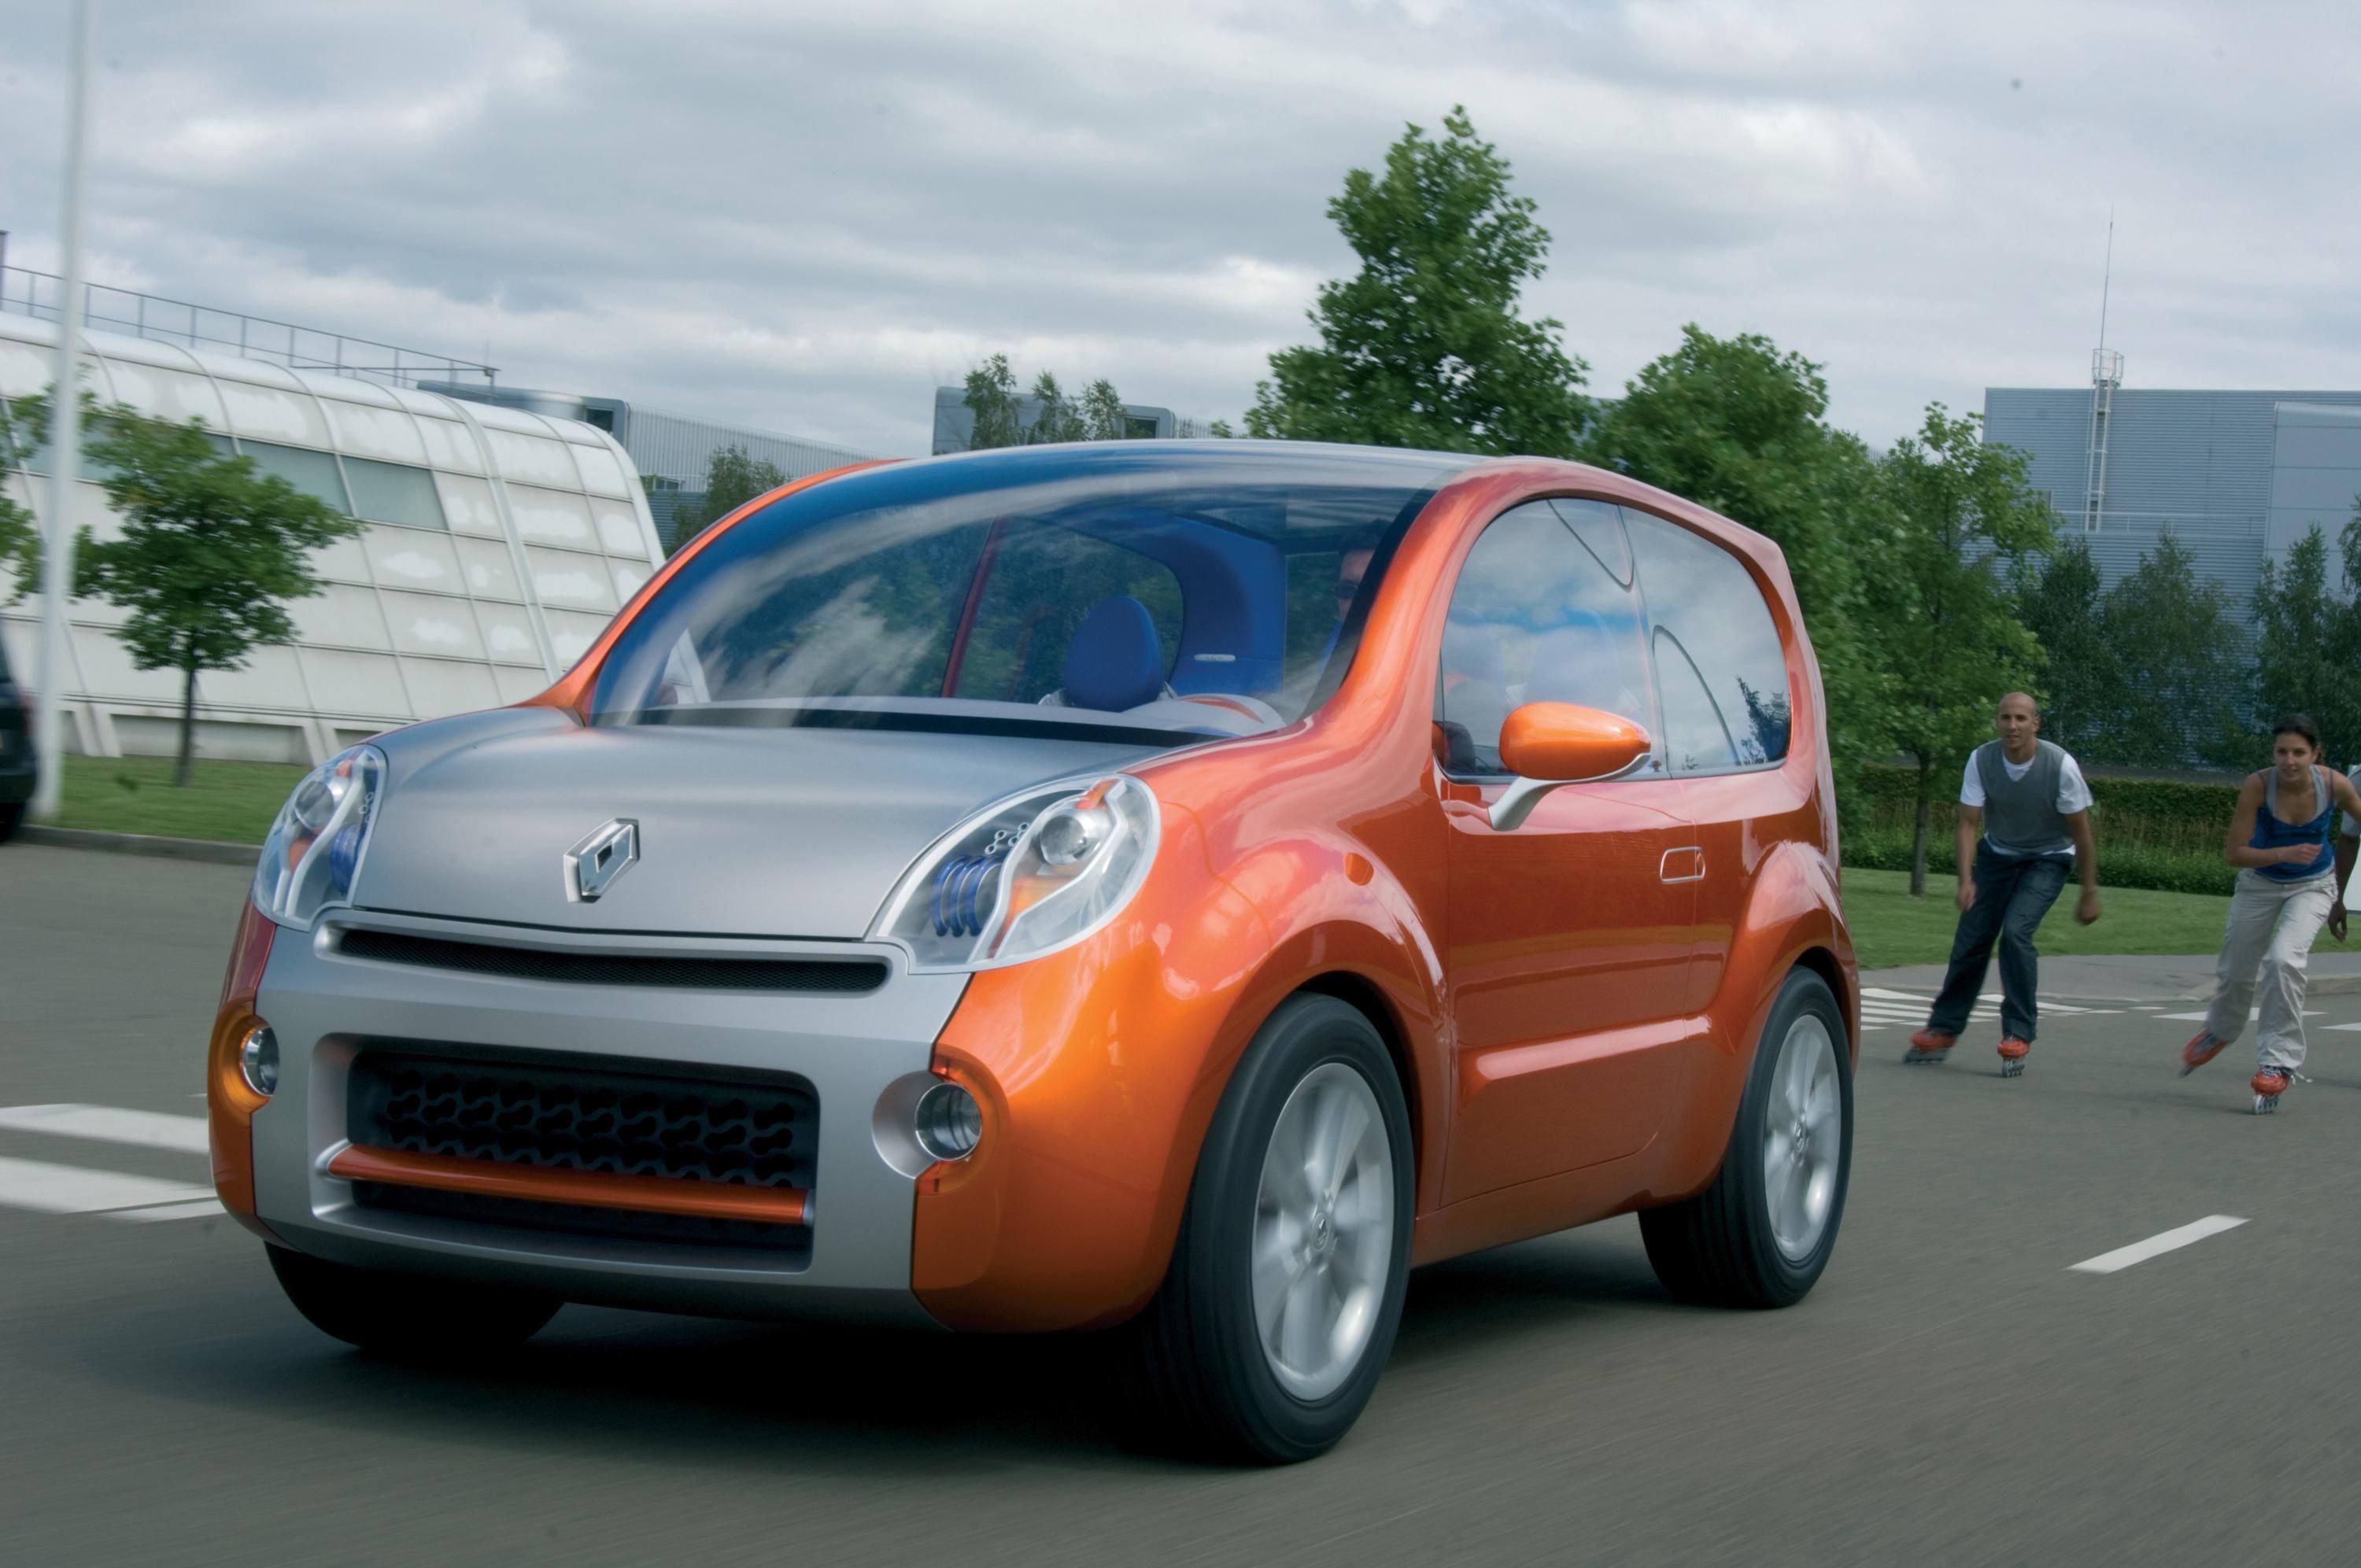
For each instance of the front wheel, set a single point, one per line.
(1761, 1234)
(413, 1316)
(1286, 1285)
(12, 813)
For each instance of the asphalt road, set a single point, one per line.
(1952, 1392)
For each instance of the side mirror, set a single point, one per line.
(1548, 744)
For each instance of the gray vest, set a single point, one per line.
(2021, 815)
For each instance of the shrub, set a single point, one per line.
(2156, 833)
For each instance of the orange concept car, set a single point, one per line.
(1167, 887)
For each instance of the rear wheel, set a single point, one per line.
(11, 815)
(414, 1316)
(1276, 1318)
(1761, 1234)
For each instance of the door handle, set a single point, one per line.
(1684, 864)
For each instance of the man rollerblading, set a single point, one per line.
(2025, 822)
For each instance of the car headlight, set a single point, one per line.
(1036, 872)
(312, 856)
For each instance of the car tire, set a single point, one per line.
(410, 1316)
(11, 816)
(1760, 1235)
(1202, 1380)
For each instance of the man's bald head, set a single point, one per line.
(2017, 723)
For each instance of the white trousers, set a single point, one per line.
(2272, 926)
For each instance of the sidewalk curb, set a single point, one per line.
(208, 849)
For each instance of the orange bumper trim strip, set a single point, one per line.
(592, 1189)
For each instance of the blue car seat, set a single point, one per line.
(1115, 661)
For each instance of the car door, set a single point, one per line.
(1570, 939)
(1723, 689)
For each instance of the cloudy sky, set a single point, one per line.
(803, 217)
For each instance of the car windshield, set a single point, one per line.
(1172, 590)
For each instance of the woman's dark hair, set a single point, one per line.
(2297, 724)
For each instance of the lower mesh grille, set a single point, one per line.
(584, 1115)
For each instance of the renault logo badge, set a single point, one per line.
(592, 866)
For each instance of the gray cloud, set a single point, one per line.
(804, 217)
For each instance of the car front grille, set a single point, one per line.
(832, 977)
(586, 1115)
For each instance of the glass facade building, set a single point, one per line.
(497, 543)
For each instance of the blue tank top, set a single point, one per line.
(2271, 833)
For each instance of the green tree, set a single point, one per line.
(20, 542)
(2060, 602)
(732, 479)
(1965, 513)
(1423, 347)
(1735, 424)
(2308, 639)
(992, 397)
(2185, 663)
(210, 552)
(1004, 417)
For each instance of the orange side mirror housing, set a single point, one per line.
(1547, 744)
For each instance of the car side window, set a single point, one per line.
(1720, 669)
(1537, 616)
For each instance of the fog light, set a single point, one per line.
(258, 1059)
(949, 1121)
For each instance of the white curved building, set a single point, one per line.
(498, 543)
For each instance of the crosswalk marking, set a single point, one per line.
(47, 1189)
(2252, 1014)
(203, 1208)
(76, 1189)
(105, 1123)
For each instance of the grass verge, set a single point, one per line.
(1890, 927)
(231, 802)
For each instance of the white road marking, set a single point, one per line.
(73, 1189)
(105, 1123)
(2341, 1025)
(2252, 1014)
(195, 1209)
(2169, 1241)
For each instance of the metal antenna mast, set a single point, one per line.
(2107, 375)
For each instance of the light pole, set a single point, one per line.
(65, 435)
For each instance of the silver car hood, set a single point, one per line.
(769, 832)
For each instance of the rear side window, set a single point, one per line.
(1537, 616)
(1720, 670)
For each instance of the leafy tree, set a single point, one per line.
(1424, 345)
(2185, 663)
(1004, 417)
(1735, 424)
(20, 542)
(732, 479)
(1964, 511)
(2308, 639)
(211, 551)
(2060, 604)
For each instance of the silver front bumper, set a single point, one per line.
(859, 1052)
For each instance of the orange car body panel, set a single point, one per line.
(230, 1102)
(1333, 854)
(1323, 856)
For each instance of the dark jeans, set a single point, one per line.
(2012, 896)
